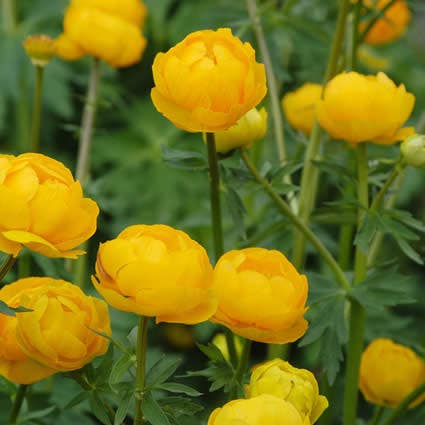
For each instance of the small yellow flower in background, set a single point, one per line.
(40, 49)
(58, 331)
(391, 26)
(413, 150)
(389, 372)
(262, 410)
(179, 336)
(106, 29)
(15, 365)
(208, 81)
(220, 342)
(260, 295)
(42, 207)
(300, 106)
(372, 60)
(251, 128)
(297, 386)
(156, 271)
(365, 108)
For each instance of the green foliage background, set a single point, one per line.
(139, 176)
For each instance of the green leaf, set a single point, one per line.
(11, 311)
(75, 401)
(99, 409)
(162, 370)
(173, 387)
(321, 288)
(123, 408)
(179, 406)
(37, 414)
(383, 289)
(120, 367)
(6, 387)
(367, 231)
(153, 412)
(407, 218)
(186, 160)
(409, 251)
(334, 168)
(212, 352)
(237, 209)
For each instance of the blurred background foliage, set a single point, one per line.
(144, 170)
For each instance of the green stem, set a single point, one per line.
(87, 124)
(391, 179)
(404, 405)
(298, 223)
(273, 90)
(214, 174)
(379, 410)
(24, 264)
(357, 312)
(9, 16)
(310, 174)
(17, 404)
(141, 348)
(344, 246)
(36, 113)
(354, 39)
(6, 266)
(242, 366)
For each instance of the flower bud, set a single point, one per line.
(389, 372)
(297, 386)
(40, 49)
(220, 342)
(262, 410)
(248, 130)
(413, 150)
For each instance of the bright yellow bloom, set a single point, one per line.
(156, 271)
(42, 207)
(15, 365)
(300, 106)
(389, 372)
(261, 410)
(40, 49)
(413, 150)
(107, 29)
(59, 331)
(359, 108)
(260, 296)
(248, 130)
(208, 81)
(297, 386)
(391, 26)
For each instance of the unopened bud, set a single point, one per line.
(40, 49)
(413, 150)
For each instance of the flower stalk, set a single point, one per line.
(36, 113)
(17, 404)
(357, 312)
(141, 348)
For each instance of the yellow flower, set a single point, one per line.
(42, 207)
(59, 331)
(359, 108)
(262, 410)
(297, 386)
(389, 372)
(413, 150)
(260, 296)
(300, 106)
(248, 130)
(40, 49)
(156, 271)
(391, 26)
(208, 81)
(106, 29)
(15, 365)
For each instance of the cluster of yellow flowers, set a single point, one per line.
(278, 393)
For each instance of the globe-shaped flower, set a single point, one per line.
(42, 207)
(59, 331)
(262, 410)
(208, 81)
(389, 372)
(300, 106)
(297, 386)
(156, 271)
(365, 108)
(260, 296)
(106, 29)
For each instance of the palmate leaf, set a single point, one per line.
(186, 160)
(153, 412)
(162, 370)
